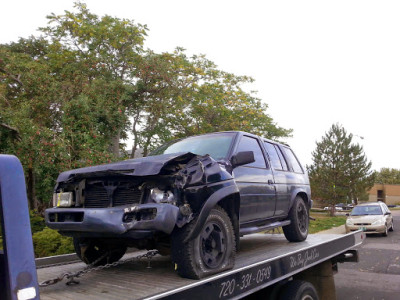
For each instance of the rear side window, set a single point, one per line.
(251, 144)
(292, 160)
(275, 155)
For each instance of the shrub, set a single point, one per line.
(49, 242)
(37, 221)
(37, 224)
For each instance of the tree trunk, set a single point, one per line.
(332, 211)
(146, 146)
(135, 136)
(133, 150)
(31, 189)
(114, 147)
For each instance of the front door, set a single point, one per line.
(255, 183)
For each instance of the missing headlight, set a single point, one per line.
(159, 196)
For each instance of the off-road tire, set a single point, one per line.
(94, 249)
(298, 290)
(212, 251)
(297, 231)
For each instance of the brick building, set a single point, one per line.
(388, 193)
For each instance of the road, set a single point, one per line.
(377, 274)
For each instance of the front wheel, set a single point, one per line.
(212, 251)
(297, 230)
(385, 233)
(98, 252)
(392, 227)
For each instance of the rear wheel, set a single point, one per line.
(212, 251)
(91, 250)
(298, 290)
(297, 230)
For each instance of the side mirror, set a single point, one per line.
(347, 214)
(388, 213)
(242, 158)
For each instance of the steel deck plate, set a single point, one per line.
(133, 280)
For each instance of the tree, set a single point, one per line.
(179, 96)
(388, 176)
(159, 96)
(49, 128)
(106, 48)
(68, 97)
(340, 170)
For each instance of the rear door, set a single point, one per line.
(255, 183)
(296, 179)
(282, 176)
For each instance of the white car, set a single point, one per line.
(337, 208)
(372, 217)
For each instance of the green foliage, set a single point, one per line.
(325, 222)
(68, 97)
(37, 222)
(49, 242)
(388, 176)
(178, 96)
(106, 49)
(340, 170)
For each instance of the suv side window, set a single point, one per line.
(275, 155)
(293, 160)
(251, 144)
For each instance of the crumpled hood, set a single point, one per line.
(144, 166)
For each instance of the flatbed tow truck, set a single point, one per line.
(267, 265)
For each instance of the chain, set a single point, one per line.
(90, 268)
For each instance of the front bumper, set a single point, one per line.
(113, 221)
(368, 229)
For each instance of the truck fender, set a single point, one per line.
(209, 204)
(302, 193)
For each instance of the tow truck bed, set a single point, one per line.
(263, 259)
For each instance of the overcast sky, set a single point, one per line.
(315, 63)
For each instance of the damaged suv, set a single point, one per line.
(192, 198)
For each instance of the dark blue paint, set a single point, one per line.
(18, 269)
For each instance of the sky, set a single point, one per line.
(315, 63)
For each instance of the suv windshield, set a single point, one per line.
(216, 145)
(366, 210)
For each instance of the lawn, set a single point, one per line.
(324, 221)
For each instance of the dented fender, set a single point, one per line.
(209, 204)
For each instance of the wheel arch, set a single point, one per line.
(231, 204)
(304, 194)
(229, 199)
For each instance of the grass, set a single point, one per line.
(324, 221)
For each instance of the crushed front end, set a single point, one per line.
(135, 198)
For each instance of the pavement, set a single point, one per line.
(376, 275)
